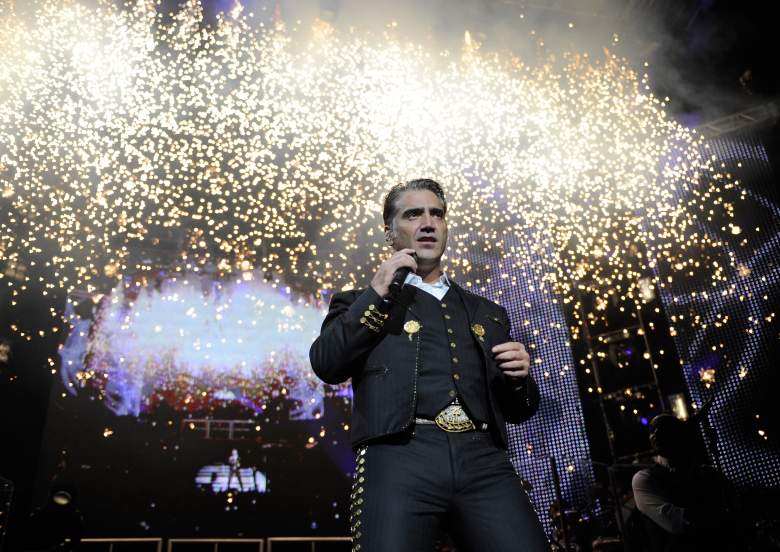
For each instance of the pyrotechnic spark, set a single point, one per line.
(239, 146)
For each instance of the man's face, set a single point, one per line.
(420, 225)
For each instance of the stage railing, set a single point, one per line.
(180, 544)
(157, 542)
(172, 543)
(312, 540)
(207, 428)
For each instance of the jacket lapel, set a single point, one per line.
(470, 301)
(401, 311)
(406, 301)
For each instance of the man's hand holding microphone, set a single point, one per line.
(393, 271)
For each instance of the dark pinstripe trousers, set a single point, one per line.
(408, 488)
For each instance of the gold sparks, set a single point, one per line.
(130, 139)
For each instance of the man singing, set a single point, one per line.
(435, 377)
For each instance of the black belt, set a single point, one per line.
(454, 419)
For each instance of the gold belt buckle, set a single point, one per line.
(454, 419)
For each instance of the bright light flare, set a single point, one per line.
(238, 146)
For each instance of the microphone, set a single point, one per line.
(397, 283)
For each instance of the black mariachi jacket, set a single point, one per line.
(384, 364)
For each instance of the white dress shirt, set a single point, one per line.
(653, 500)
(438, 288)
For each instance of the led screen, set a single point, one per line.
(729, 354)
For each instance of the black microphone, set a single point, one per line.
(399, 277)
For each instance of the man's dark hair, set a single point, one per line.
(669, 436)
(395, 192)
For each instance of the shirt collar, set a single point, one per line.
(414, 279)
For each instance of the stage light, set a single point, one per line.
(61, 498)
(678, 405)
